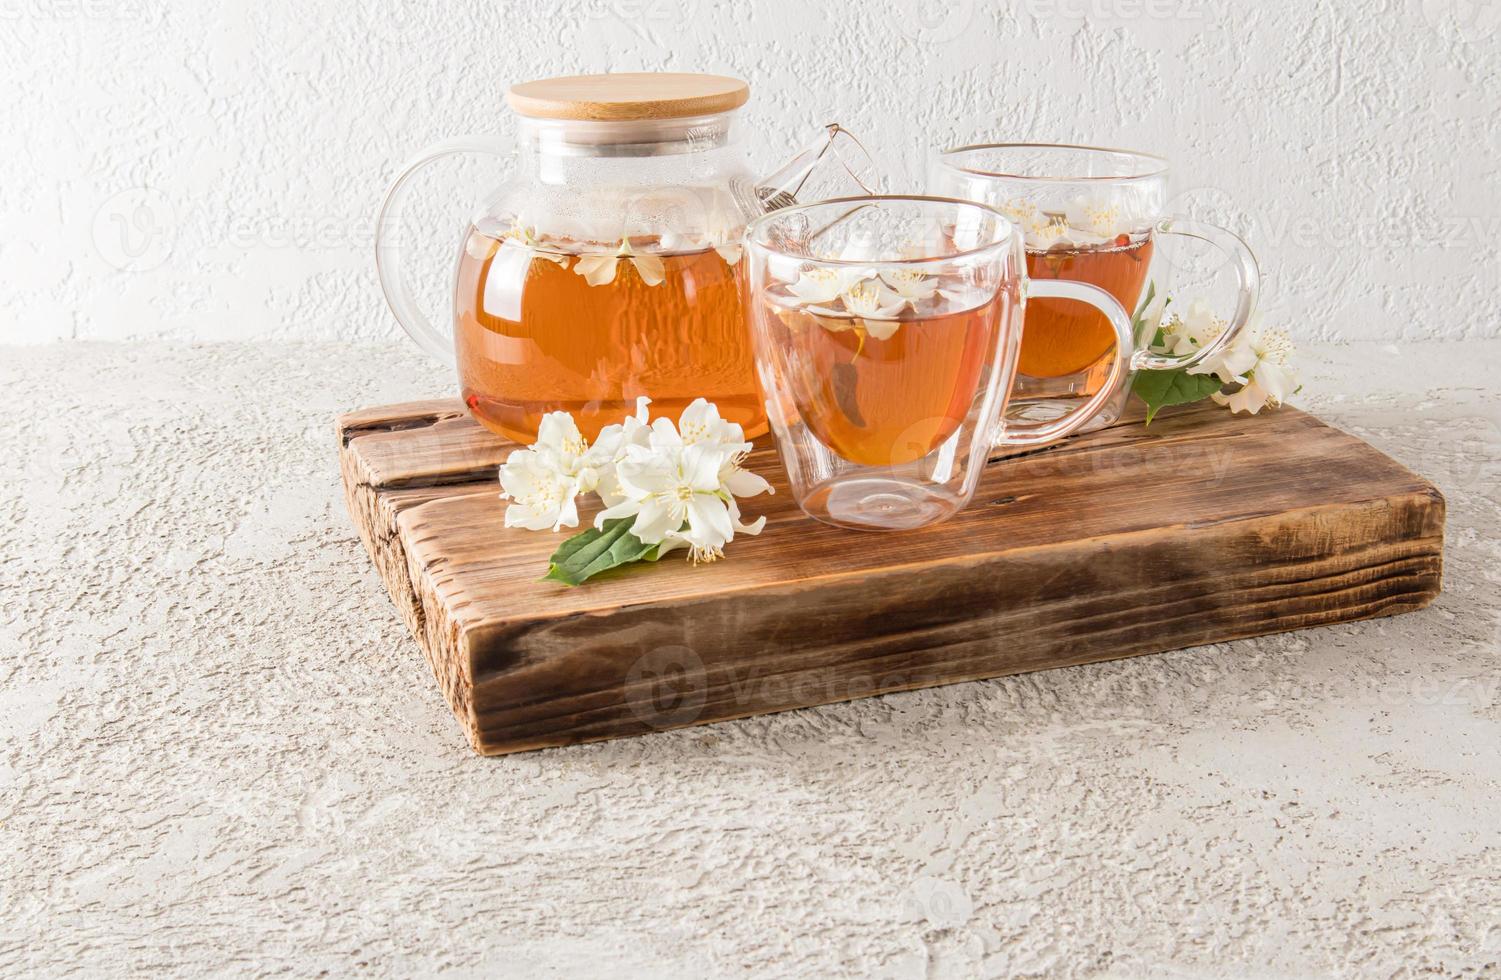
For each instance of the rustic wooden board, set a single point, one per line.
(1202, 528)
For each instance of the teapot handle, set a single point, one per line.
(389, 254)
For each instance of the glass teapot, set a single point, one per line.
(608, 265)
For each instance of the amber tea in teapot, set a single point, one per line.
(548, 325)
(607, 265)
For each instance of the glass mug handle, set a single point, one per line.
(1248, 276)
(389, 256)
(1014, 433)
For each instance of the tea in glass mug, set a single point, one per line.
(882, 392)
(887, 331)
(1092, 215)
(607, 265)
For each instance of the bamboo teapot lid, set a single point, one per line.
(625, 96)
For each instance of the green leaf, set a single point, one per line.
(1146, 301)
(590, 552)
(1138, 319)
(1176, 387)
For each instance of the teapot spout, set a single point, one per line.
(833, 164)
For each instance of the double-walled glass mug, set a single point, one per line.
(887, 331)
(605, 266)
(1091, 215)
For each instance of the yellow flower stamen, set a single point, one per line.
(702, 556)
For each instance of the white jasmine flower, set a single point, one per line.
(526, 237)
(1047, 231)
(821, 285)
(700, 423)
(1269, 379)
(876, 306)
(871, 298)
(649, 267)
(724, 235)
(676, 498)
(681, 484)
(1250, 397)
(1040, 229)
(678, 483)
(614, 440)
(910, 285)
(673, 241)
(600, 269)
(1195, 328)
(1149, 320)
(1201, 328)
(738, 481)
(1258, 360)
(596, 269)
(543, 496)
(1099, 218)
(1021, 212)
(1096, 222)
(523, 233)
(559, 436)
(544, 480)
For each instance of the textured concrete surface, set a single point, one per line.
(219, 751)
(198, 170)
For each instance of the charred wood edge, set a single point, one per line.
(614, 718)
(375, 526)
(1387, 577)
(374, 509)
(349, 430)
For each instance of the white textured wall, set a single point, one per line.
(246, 144)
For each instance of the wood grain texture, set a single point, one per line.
(628, 95)
(1202, 528)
